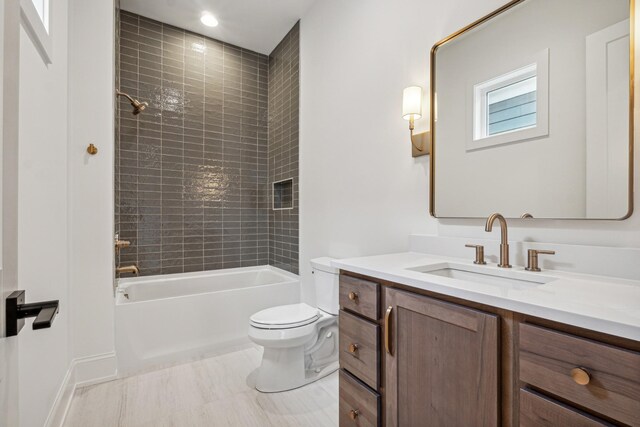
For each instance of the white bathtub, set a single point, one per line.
(180, 317)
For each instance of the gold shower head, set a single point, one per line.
(138, 107)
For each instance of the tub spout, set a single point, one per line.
(133, 269)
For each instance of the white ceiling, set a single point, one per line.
(258, 25)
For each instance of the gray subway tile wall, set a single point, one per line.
(192, 174)
(284, 67)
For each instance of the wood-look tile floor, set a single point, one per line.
(211, 392)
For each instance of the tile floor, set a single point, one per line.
(211, 392)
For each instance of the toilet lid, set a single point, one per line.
(285, 316)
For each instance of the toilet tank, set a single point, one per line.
(326, 281)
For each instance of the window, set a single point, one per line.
(511, 107)
(42, 7)
(35, 16)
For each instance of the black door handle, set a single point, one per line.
(17, 311)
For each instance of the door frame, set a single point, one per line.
(9, 126)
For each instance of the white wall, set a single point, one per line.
(42, 210)
(91, 203)
(361, 192)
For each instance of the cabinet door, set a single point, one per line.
(441, 363)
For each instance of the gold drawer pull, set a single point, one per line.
(387, 333)
(353, 348)
(580, 376)
(353, 414)
(353, 296)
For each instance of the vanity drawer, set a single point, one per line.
(359, 405)
(359, 296)
(359, 348)
(548, 359)
(537, 410)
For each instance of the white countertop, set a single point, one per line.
(603, 304)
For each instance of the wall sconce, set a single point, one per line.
(411, 110)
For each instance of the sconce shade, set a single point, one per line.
(412, 102)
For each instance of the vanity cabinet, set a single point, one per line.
(410, 357)
(585, 373)
(359, 353)
(441, 363)
(538, 410)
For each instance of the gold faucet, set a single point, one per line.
(133, 269)
(504, 242)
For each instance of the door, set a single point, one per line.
(441, 363)
(607, 125)
(9, 55)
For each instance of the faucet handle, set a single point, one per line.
(479, 253)
(121, 244)
(532, 255)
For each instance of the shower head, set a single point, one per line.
(138, 107)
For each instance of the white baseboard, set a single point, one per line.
(82, 372)
(95, 369)
(61, 405)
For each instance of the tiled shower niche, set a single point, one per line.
(192, 170)
(282, 192)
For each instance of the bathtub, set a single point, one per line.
(178, 317)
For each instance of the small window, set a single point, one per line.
(506, 103)
(35, 16)
(42, 7)
(513, 106)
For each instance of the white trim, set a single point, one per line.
(476, 109)
(82, 372)
(95, 369)
(61, 404)
(39, 32)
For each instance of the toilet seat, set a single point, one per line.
(285, 317)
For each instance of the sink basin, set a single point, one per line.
(483, 275)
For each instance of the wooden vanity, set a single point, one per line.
(411, 357)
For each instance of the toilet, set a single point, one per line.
(300, 341)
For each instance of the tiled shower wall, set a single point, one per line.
(192, 180)
(284, 65)
(193, 165)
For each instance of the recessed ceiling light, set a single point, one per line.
(208, 19)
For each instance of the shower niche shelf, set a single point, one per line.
(283, 194)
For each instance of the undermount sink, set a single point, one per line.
(484, 275)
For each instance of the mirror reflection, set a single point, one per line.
(534, 120)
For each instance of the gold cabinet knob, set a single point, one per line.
(353, 414)
(353, 296)
(353, 348)
(92, 149)
(580, 376)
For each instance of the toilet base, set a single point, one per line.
(284, 370)
(287, 368)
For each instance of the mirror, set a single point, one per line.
(532, 113)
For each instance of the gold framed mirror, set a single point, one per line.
(535, 121)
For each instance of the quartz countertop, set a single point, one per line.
(603, 304)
